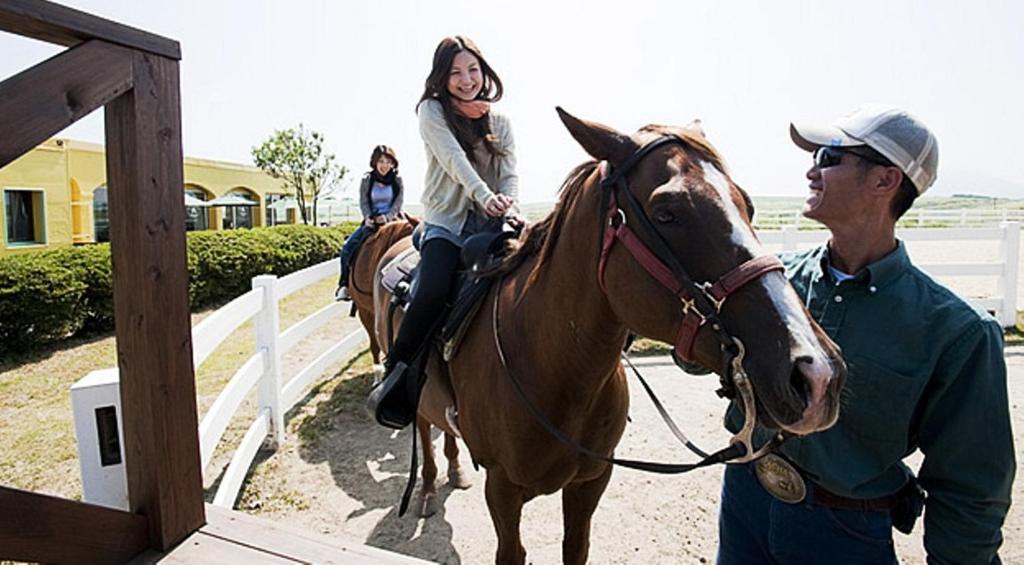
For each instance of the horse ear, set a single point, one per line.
(601, 142)
(696, 126)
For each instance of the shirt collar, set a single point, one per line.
(879, 273)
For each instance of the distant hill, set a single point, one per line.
(961, 183)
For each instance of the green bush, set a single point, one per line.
(51, 295)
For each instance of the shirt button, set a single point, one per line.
(873, 289)
(838, 298)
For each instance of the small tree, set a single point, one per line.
(296, 156)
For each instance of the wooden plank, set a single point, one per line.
(298, 280)
(296, 543)
(301, 330)
(217, 418)
(151, 309)
(216, 327)
(37, 527)
(58, 24)
(292, 390)
(204, 548)
(39, 102)
(234, 477)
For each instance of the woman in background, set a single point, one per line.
(380, 200)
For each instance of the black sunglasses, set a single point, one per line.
(825, 157)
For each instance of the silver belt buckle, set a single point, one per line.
(780, 479)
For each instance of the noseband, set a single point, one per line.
(701, 303)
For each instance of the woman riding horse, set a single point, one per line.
(380, 200)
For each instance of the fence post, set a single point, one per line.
(1008, 282)
(268, 323)
(789, 238)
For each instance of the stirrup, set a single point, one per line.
(389, 402)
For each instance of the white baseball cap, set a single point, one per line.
(899, 136)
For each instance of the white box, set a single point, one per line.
(96, 403)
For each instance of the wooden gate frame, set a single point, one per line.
(134, 75)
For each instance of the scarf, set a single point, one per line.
(472, 110)
(388, 179)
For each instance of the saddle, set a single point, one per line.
(479, 252)
(395, 400)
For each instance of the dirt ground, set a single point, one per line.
(342, 475)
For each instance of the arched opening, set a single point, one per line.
(197, 210)
(240, 208)
(100, 215)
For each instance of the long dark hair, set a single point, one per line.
(466, 131)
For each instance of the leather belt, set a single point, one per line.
(788, 483)
(823, 497)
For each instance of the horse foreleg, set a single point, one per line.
(505, 503)
(425, 500)
(457, 477)
(366, 317)
(579, 500)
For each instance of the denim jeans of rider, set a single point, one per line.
(355, 239)
(756, 528)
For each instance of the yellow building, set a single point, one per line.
(56, 196)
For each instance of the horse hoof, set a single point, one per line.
(426, 505)
(457, 478)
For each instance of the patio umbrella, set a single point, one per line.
(232, 199)
(193, 201)
(286, 203)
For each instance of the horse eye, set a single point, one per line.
(664, 217)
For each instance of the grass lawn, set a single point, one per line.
(36, 424)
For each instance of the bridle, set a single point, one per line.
(701, 305)
(701, 302)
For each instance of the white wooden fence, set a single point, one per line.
(773, 219)
(1006, 269)
(263, 370)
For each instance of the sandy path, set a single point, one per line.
(347, 481)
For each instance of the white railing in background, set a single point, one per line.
(1006, 270)
(923, 217)
(263, 370)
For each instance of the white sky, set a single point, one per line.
(354, 71)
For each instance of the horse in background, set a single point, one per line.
(558, 315)
(365, 265)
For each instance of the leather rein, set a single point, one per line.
(701, 305)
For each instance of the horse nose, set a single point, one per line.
(811, 377)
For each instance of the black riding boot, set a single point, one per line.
(393, 403)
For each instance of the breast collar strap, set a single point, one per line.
(701, 303)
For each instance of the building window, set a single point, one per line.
(237, 217)
(23, 211)
(197, 218)
(275, 215)
(100, 215)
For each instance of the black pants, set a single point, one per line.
(439, 262)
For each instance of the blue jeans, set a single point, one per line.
(755, 527)
(355, 239)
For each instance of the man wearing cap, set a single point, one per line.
(926, 371)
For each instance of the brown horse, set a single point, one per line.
(563, 308)
(361, 282)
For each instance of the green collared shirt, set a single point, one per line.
(926, 371)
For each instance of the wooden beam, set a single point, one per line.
(37, 527)
(151, 309)
(39, 102)
(58, 24)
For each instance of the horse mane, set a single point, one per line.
(542, 236)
